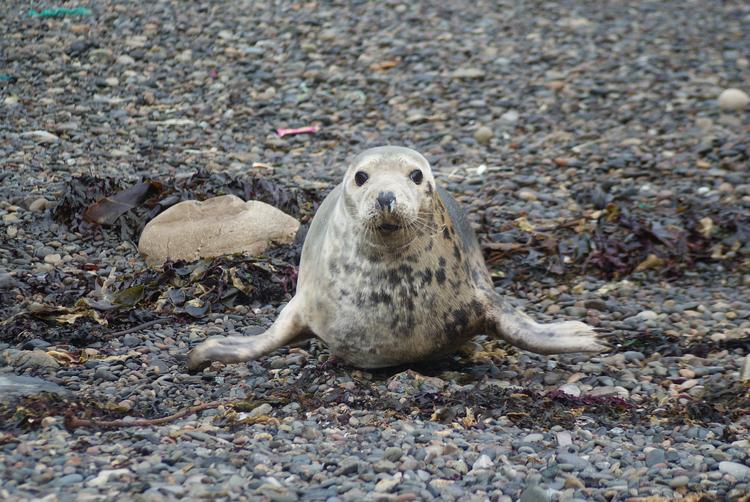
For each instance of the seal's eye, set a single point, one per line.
(416, 176)
(360, 177)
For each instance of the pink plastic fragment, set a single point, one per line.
(299, 130)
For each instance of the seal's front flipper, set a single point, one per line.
(515, 327)
(288, 327)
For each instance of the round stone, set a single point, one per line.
(733, 100)
(39, 204)
(483, 135)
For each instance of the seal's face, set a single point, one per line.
(389, 190)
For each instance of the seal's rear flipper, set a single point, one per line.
(515, 327)
(237, 349)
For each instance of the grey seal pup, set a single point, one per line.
(392, 273)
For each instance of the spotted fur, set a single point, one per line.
(390, 285)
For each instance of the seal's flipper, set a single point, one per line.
(515, 327)
(288, 327)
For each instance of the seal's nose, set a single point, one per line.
(387, 201)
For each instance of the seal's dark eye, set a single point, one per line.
(360, 177)
(416, 176)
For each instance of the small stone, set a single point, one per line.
(739, 471)
(29, 359)
(39, 204)
(53, 259)
(131, 340)
(263, 409)
(745, 375)
(483, 462)
(383, 466)
(733, 100)
(596, 304)
(105, 475)
(104, 373)
(574, 483)
(125, 60)
(214, 227)
(348, 466)
(633, 356)
(679, 481)
(645, 315)
(483, 135)
(125, 405)
(510, 117)
(578, 463)
(655, 456)
(185, 56)
(42, 137)
(704, 123)
(112, 81)
(527, 195)
(468, 73)
(564, 439)
(571, 389)
(100, 55)
(68, 480)
(7, 281)
(388, 484)
(393, 453)
(534, 493)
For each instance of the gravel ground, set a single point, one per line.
(533, 114)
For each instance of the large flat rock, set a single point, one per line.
(13, 386)
(215, 227)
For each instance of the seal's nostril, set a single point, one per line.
(386, 201)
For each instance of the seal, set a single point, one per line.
(392, 273)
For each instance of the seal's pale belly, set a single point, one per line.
(381, 338)
(381, 314)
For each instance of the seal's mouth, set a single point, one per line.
(388, 228)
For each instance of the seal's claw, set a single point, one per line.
(201, 356)
(227, 349)
(194, 363)
(575, 336)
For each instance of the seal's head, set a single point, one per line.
(390, 190)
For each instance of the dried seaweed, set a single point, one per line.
(179, 290)
(624, 238)
(106, 211)
(82, 193)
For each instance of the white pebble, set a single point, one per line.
(571, 389)
(125, 60)
(41, 136)
(483, 462)
(509, 117)
(733, 100)
(564, 439)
